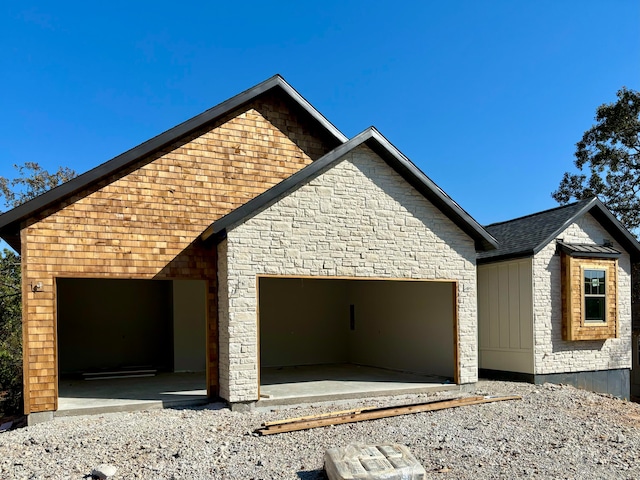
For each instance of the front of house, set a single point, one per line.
(252, 235)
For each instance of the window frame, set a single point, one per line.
(586, 296)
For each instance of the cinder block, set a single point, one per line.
(387, 461)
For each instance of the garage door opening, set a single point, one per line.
(342, 336)
(130, 342)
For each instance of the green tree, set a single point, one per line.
(10, 334)
(31, 181)
(610, 153)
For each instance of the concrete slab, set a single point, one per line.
(301, 384)
(86, 397)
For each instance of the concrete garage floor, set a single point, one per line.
(290, 385)
(80, 397)
(279, 386)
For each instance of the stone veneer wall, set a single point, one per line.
(144, 223)
(357, 219)
(552, 353)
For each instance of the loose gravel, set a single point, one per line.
(553, 432)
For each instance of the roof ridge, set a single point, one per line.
(535, 214)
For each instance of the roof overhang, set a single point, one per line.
(581, 250)
(506, 257)
(392, 156)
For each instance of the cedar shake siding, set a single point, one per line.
(144, 222)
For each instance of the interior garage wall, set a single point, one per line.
(189, 325)
(303, 322)
(403, 325)
(110, 324)
(400, 325)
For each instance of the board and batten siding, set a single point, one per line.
(145, 222)
(359, 219)
(505, 316)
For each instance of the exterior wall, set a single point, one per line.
(505, 316)
(358, 219)
(552, 353)
(143, 223)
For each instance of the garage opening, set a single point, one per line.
(130, 342)
(354, 335)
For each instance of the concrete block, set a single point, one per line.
(388, 461)
(242, 407)
(39, 417)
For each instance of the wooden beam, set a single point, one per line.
(371, 413)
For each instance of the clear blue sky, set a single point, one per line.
(488, 98)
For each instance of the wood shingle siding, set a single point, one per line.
(575, 326)
(144, 223)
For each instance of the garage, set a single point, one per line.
(357, 263)
(128, 340)
(342, 329)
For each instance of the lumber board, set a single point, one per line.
(359, 415)
(321, 415)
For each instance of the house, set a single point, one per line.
(554, 299)
(251, 236)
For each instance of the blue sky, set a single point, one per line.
(488, 98)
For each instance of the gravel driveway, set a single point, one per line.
(553, 432)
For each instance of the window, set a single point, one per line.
(589, 297)
(594, 295)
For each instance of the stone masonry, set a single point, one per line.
(552, 353)
(356, 219)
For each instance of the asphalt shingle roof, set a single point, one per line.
(525, 236)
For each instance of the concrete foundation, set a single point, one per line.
(39, 417)
(613, 382)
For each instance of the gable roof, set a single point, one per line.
(392, 156)
(10, 221)
(526, 236)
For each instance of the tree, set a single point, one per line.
(32, 180)
(611, 152)
(10, 334)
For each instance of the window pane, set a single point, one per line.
(601, 282)
(594, 307)
(594, 282)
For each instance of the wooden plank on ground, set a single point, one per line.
(374, 413)
(320, 415)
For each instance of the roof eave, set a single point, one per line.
(586, 207)
(392, 156)
(484, 241)
(507, 256)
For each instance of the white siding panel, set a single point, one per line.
(505, 316)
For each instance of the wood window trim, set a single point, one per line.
(575, 327)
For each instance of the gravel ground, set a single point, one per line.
(553, 432)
